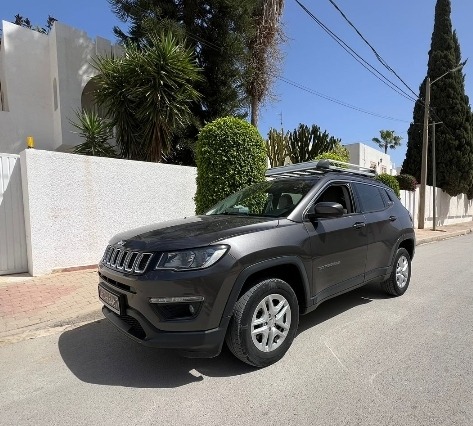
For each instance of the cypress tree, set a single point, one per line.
(448, 104)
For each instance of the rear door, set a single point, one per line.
(382, 226)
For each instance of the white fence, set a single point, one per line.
(449, 210)
(12, 222)
(74, 204)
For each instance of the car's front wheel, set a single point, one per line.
(400, 277)
(264, 323)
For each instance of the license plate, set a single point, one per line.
(111, 300)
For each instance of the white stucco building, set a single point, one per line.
(373, 158)
(44, 79)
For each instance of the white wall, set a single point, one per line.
(29, 64)
(449, 210)
(74, 53)
(26, 82)
(74, 204)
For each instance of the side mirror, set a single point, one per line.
(325, 209)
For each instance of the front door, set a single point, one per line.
(338, 245)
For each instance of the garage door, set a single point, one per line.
(13, 257)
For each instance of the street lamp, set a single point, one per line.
(425, 144)
(434, 178)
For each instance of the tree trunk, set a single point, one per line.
(254, 111)
(156, 146)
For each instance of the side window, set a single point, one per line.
(338, 194)
(389, 197)
(370, 198)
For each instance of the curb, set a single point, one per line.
(74, 269)
(48, 327)
(446, 236)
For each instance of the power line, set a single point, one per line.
(386, 65)
(370, 68)
(329, 98)
(378, 56)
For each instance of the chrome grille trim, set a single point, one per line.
(113, 257)
(126, 263)
(120, 256)
(142, 260)
(122, 259)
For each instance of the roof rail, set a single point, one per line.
(316, 167)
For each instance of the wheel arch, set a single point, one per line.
(407, 242)
(288, 268)
(409, 245)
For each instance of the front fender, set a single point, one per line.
(258, 267)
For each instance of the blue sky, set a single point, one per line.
(399, 30)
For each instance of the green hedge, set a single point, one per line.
(230, 155)
(407, 182)
(390, 181)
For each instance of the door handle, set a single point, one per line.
(359, 225)
(392, 218)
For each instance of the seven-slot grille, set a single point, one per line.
(126, 260)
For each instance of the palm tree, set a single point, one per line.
(264, 55)
(388, 140)
(147, 94)
(96, 133)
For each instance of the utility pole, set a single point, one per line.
(425, 145)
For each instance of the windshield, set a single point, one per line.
(275, 198)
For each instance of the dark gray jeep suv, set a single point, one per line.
(245, 271)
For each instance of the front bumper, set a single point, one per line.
(151, 324)
(205, 344)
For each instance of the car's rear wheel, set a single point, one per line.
(264, 323)
(398, 282)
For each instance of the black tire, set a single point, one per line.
(239, 336)
(397, 283)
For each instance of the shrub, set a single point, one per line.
(407, 182)
(338, 153)
(230, 155)
(96, 133)
(390, 181)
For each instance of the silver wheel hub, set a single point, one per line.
(271, 322)
(402, 271)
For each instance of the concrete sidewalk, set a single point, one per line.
(35, 306)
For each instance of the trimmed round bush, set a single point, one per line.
(390, 181)
(230, 155)
(407, 182)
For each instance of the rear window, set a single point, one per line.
(370, 196)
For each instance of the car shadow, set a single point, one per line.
(100, 354)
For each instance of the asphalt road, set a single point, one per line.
(360, 359)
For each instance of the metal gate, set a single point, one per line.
(13, 255)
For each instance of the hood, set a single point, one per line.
(191, 232)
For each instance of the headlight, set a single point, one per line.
(198, 258)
